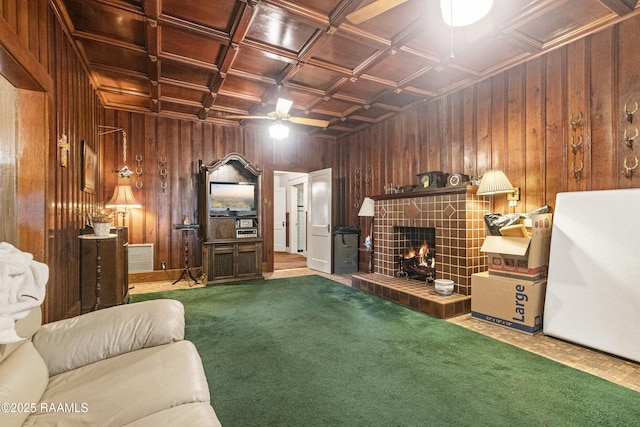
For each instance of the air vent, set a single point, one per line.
(140, 258)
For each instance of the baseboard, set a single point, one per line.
(154, 276)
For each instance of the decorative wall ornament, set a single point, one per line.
(577, 171)
(629, 139)
(64, 146)
(162, 172)
(627, 171)
(356, 189)
(139, 171)
(576, 147)
(629, 114)
(575, 123)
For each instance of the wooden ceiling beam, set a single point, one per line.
(152, 10)
(620, 7)
(237, 35)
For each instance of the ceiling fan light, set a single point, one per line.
(278, 131)
(459, 13)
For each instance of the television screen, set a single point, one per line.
(232, 199)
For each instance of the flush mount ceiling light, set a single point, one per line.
(278, 130)
(459, 13)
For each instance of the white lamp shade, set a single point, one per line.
(367, 208)
(278, 130)
(123, 198)
(494, 182)
(459, 13)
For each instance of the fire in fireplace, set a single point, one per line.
(418, 264)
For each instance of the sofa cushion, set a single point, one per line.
(72, 343)
(23, 379)
(126, 388)
(192, 414)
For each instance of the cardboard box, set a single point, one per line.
(514, 303)
(521, 257)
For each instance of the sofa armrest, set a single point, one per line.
(71, 343)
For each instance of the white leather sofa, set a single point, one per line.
(122, 366)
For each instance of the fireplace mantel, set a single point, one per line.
(425, 192)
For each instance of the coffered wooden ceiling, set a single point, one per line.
(207, 59)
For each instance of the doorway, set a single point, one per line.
(289, 227)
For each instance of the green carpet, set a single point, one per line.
(309, 351)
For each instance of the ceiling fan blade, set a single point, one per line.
(283, 106)
(309, 122)
(248, 117)
(372, 10)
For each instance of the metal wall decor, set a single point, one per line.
(628, 170)
(139, 171)
(629, 166)
(629, 139)
(575, 123)
(162, 172)
(577, 171)
(629, 114)
(576, 146)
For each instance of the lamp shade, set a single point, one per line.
(123, 198)
(367, 208)
(494, 182)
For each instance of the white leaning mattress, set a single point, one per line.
(593, 287)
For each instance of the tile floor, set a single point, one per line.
(612, 368)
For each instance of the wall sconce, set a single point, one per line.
(496, 182)
(122, 201)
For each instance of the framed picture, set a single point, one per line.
(89, 168)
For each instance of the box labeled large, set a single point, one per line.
(506, 301)
(521, 257)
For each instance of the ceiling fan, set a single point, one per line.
(372, 10)
(281, 114)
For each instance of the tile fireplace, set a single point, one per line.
(454, 216)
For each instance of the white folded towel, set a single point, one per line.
(22, 288)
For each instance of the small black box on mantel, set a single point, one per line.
(433, 179)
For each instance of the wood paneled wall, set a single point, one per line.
(519, 121)
(166, 200)
(54, 98)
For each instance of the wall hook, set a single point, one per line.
(629, 114)
(629, 139)
(628, 170)
(575, 123)
(576, 147)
